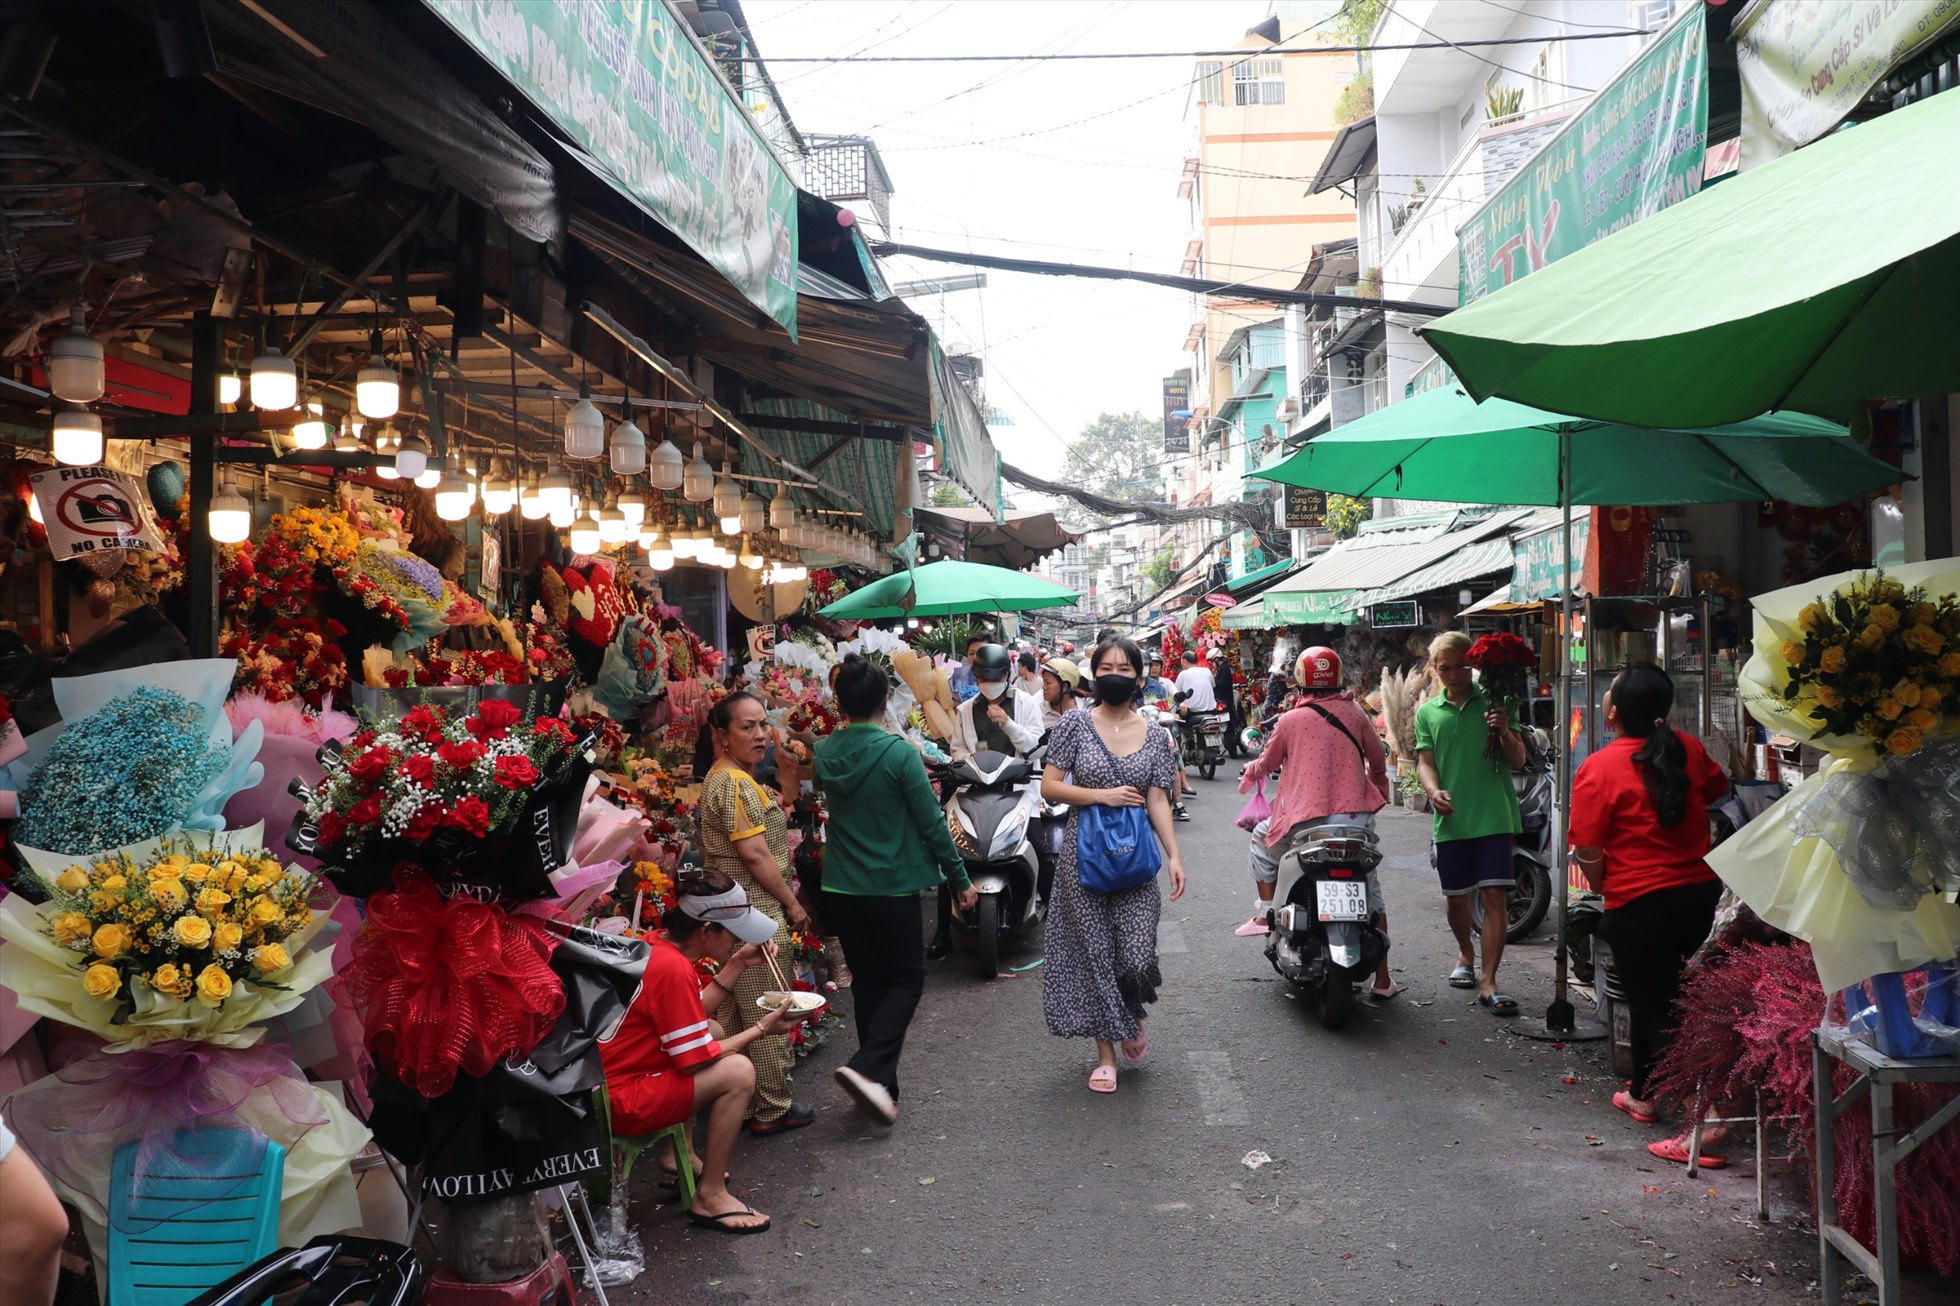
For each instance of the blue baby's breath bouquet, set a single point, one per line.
(127, 772)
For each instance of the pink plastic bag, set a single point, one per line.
(1256, 808)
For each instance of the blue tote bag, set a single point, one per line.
(1114, 848)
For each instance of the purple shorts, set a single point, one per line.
(1465, 865)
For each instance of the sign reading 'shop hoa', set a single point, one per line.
(624, 79)
(1637, 147)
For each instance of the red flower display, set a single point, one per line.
(1503, 663)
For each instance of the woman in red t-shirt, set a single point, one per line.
(1640, 834)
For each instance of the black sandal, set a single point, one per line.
(719, 1223)
(1498, 1004)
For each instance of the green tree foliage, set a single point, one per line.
(1157, 572)
(1119, 456)
(1345, 515)
(948, 495)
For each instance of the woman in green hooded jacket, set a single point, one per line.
(885, 840)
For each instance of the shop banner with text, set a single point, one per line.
(626, 82)
(1635, 148)
(1806, 64)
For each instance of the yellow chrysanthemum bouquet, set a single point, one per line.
(1876, 660)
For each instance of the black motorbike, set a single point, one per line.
(1202, 738)
(997, 817)
(1324, 937)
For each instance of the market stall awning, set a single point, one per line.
(1383, 553)
(1255, 581)
(1500, 600)
(1487, 557)
(1249, 615)
(1018, 540)
(1780, 273)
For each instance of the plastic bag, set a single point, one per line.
(1256, 808)
(1882, 1007)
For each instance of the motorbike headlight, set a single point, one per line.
(1008, 837)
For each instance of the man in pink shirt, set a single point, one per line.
(1332, 770)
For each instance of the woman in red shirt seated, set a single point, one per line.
(1640, 834)
(667, 1061)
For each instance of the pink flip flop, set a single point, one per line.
(1253, 929)
(1102, 1079)
(1133, 1051)
(1384, 994)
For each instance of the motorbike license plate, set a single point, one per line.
(1342, 900)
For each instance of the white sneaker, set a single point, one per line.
(869, 1094)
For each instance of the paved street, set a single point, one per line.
(1421, 1156)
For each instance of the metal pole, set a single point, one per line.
(201, 568)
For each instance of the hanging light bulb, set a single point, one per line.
(585, 427)
(584, 536)
(452, 497)
(411, 456)
(749, 557)
(629, 447)
(532, 502)
(377, 390)
(310, 432)
(231, 386)
(612, 526)
(349, 438)
(75, 367)
(727, 498)
(698, 482)
(229, 519)
(782, 509)
(647, 535)
(77, 438)
(666, 466)
(499, 495)
(634, 505)
(384, 446)
(275, 381)
(754, 513)
(561, 515)
(556, 488)
(660, 558)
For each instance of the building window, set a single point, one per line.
(1211, 82)
(1652, 15)
(1258, 81)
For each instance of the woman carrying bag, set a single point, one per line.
(1116, 772)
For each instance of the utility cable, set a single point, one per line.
(1483, 43)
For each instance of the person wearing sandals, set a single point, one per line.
(1640, 835)
(1333, 771)
(1101, 969)
(1477, 819)
(667, 1062)
(887, 840)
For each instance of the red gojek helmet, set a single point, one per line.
(1319, 668)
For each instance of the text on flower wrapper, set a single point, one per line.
(486, 1184)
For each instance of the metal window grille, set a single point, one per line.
(1259, 81)
(1211, 82)
(844, 168)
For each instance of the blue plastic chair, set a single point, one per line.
(209, 1208)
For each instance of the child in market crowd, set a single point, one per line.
(668, 1063)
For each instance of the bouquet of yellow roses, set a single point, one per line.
(1879, 660)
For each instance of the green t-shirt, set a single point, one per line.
(1480, 790)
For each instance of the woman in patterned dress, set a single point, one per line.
(746, 837)
(1102, 947)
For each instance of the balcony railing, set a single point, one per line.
(1420, 261)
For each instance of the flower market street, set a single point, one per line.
(1422, 1155)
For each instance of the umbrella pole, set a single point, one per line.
(1560, 1021)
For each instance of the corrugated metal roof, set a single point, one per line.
(1379, 558)
(1483, 558)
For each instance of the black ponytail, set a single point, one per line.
(1643, 695)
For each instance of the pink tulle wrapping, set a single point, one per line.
(105, 1100)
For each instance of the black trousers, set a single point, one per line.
(1652, 938)
(884, 942)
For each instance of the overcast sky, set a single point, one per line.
(1072, 161)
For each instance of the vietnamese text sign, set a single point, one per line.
(1177, 399)
(1537, 565)
(1805, 64)
(93, 510)
(1304, 509)
(1635, 148)
(625, 80)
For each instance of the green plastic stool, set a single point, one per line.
(630, 1148)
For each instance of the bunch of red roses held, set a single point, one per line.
(436, 771)
(1503, 663)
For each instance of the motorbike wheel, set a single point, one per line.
(1336, 1001)
(986, 917)
(1531, 899)
(1209, 770)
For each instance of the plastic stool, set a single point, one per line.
(631, 1148)
(548, 1285)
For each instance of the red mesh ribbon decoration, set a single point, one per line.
(448, 986)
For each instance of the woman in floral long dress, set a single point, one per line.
(1102, 947)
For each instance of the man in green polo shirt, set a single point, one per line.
(1477, 821)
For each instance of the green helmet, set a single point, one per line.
(992, 662)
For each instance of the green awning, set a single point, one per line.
(1257, 579)
(1305, 608)
(1249, 615)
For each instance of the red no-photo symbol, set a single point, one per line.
(99, 507)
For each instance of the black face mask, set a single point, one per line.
(1116, 690)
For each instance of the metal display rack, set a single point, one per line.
(1694, 700)
(1878, 1075)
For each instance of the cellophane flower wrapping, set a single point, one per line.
(188, 937)
(1858, 860)
(137, 753)
(488, 796)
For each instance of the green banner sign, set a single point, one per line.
(1306, 608)
(1636, 148)
(624, 80)
(1538, 562)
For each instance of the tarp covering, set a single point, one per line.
(966, 451)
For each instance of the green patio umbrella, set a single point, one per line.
(1827, 277)
(950, 588)
(1443, 445)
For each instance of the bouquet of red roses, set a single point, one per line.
(1503, 663)
(449, 792)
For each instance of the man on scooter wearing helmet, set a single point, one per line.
(1002, 720)
(1335, 771)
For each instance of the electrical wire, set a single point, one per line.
(1462, 47)
(1436, 44)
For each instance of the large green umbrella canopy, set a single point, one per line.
(949, 588)
(1443, 445)
(1827, 277)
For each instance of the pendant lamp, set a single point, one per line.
(666, 466)
(377, 390)
(275, 381)
(585, 427)
(229, 519)
(584, 536)
(411, 456)
(698, 483)
(77, 438)
(754, 513)
(75, 368)
(629, 448)
(452, 497)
